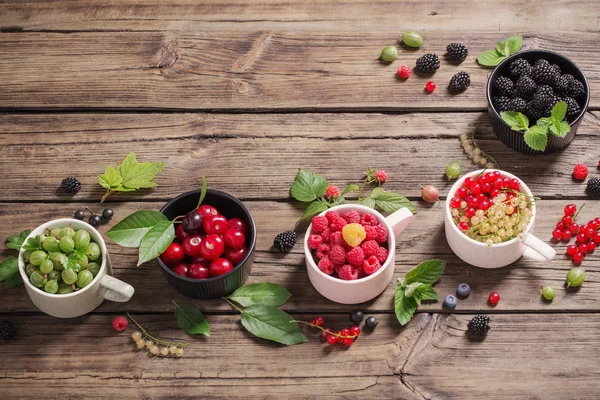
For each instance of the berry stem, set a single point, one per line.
(87, 208)
(233, 305)
(578, 211)
(145, 334)
(324, 330)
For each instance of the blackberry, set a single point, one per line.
(563, 83)
(501, 103)
(7, 330)
(520, 67)
(459, 82)
(543, 97)
(479, 325)
(70, 185)
(285, 241)
(593, 186)
(576, 89)
(533, 113)
(428, 63)
(525, 87)
(505, 86)
(544, 73)
(572, 106)
(457, 52)
(517, 104)
(556, 68)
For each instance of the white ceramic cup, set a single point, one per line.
(498, 255)
(369, 287)
(84, 300)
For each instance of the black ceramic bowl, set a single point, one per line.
(222, 285)
(514, 139)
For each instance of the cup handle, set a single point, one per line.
(539, 247)
(399, 220)
(116, 290)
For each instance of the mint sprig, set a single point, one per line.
(491, 58)
(416, 287)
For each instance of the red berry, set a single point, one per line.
(180, 233)
(332, 339)
(494, 193)
(181, 268)
(355, 256)
(352, 217)
(199, 258)
(494, 298)
(571, 249)
(567, 220)
(354, 331)
(237, 224)
(596, 237)
(212, 247)
(476, 189)
(345, 332)
(461, 192)
(198, 270)
(319, 224)
(578, 258)
(382, 255)
(566, 236)
(381, 175)
(560, 226)
(591, 246)
(463, 226)
(206, 211)
(337, 254)
(574, 228)
(486, 187)
(324, 333)
(331, 216)
(326, 265)
(220, 266)
(430, 86)
(484, 205)
(347, 342)
(455, 202)
(371, 265)
(370, 248)
(173, 254)
(581, 238)
(348, 272)
(323, 251)
(468, 182)
(235, 238)
(120, 323)
(332, 192)
(580, 172)
(589, 232)
(319, 321)
(472, 201)
(338, 224)
(404, 71)
(217, 224)
(583, 248)
(470, 212)
(314, 241)
(513, 184)
(191, 245)
(570, 209)
(368, 219)
(235, 255)
(557, 234)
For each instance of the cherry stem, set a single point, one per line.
(324, 330)
(233, 305)
(158, 341)
(178, 217)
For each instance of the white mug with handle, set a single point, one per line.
(82, 301)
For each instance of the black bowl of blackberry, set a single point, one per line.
(533, 82)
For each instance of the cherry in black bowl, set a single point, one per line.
(221, 285)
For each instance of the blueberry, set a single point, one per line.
(463, 290)
(371, 322)
(80, 214)
(95, 221)
(450, 301)
(356, 317)
(107, 214)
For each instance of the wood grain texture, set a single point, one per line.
(306, 16)
(519, 284)
(257, 156)
(259, 71)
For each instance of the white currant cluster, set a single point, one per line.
(475, 153)
(142, 342)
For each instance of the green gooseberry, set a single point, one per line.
(453, 170)
(37, 279)
(69, 276)
(84, 278)
(389, 53)
(54, 275)
(30, 269)
(412, 39)
(67, 244)
(67, 231)
(93, 251)
(26, 255)
(42, 237)
(548, 293)
(81, 260)
(55, 232)
(46, 266)
(50, 244)
(63, 288)
(37, 257)
(60, 260)
(575, 277)
(82, 238)
(51, 286)
(94, 268)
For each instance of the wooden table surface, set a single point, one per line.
(245, 93)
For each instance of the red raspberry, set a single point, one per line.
(580, 172)
(337, 238)
(381, 233)
(319, 224)
(371, 232)
(332, 191)
(352, 217)
(371, 265)
(347, 272)
(120, 323)
(381, 175)
(382, 254)
(325, 235)
(404, 71)
(331, 216)
(370, 248)
(338, 224)
(337, 254)
(314, 241)
(323, 251)
(368, 219)
(326, 266)
(355, 256)
(430, 87)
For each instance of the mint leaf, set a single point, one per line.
(15, 242)
(191, 320)
(545, 122)
(368, 202)
(515, 120)
(266, 294)
(410, 289)
(490, 58)
(513, 44)
(502, 48)
(110, 179)
(536, 137)
(158, 238)
(350, 188)
(425, 292)
(130, 231)
(271, 323)
(428, 272)
(308, 186)
(404, 306)
(391, 201)
(314, 208)
(559, 128)
(9, 272)
(559, 110)
(33, 243)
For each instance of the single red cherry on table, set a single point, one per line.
(235, 255)
(206, 211)
(220, 266)
(198, 270)
(181, 268)
(217, 224)
(173, 254)
(212, 247)
(234, 238)
(494, 298)
(191, 245)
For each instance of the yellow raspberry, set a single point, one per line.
(354, 234)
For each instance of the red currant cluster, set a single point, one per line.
(587, 236)
(207, 244)
(346, 336)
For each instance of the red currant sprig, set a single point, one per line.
(587, 237)
(345, 336)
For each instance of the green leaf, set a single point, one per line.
(350, 188)
(368, 202)
(502, 48)
(404, 306)
(110, 179)
(515, 120)
(514, 44)
(314, 208)
(308, 186)
(490, 58)
(132, 229)
(139, 175)
(202, 191)
(9, 272)
(544, 122)
(427, 272)
(391, 201)
(559, 110)
(409, 290)
(559, 128)
(33, 243)
(15, 242)
(191, 320)
(425, 292)
(266, 294)
(536, 137)
(158, 238)
(271, 323)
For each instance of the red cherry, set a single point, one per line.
(212, 247)
(181, 268)
(206, 211)
(571, 249)
(234, 238)
(578, 258)
(217, 224)
(557, 234)
(461, 192)
(570, 209)
(180, 233)
(198, 270)
(567, 220)
(199, 259)
(494, 298)
(173, 254)
(235, 255)
(191, 245)
(220, 266)
(238, 224)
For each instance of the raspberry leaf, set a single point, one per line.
(308, 186)
(266, 294)
(156, 240)
(15, 242)
(404, 306)
(130, 231)
(428, 272)
(271, 323)
(536, 137)
(191, 320)
(9, 273)
(391, 201)
(314, 208)
(368, 202)
(350, 188)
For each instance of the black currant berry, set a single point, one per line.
(371, 322)
(356, 317)
(107, 213)
(80, 214)
(95, 221)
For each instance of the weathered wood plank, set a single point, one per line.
(257, 156)
(518, 285)
(263, 70)
(305, 16)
